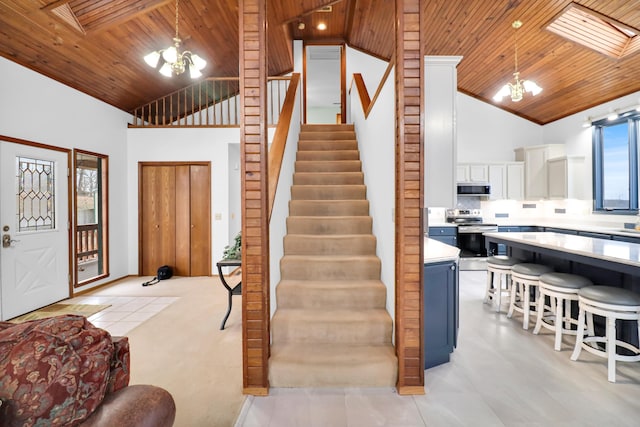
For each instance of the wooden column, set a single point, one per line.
(409, 198)
(255, 195)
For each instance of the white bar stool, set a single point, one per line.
(612, 303)
(524, 279)
(562, 289)
(499, 266)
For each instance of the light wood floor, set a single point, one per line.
(500, 375)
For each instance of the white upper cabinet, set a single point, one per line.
(535, 168)
(564, 176)
(506, 180)
(472, 172)
(515, 180)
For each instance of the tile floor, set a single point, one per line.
(125, 312)
(499, 375)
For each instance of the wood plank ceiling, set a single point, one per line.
(96, 46)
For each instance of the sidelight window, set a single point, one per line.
(91, 231)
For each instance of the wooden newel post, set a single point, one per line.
(255, 195)
(409, 198)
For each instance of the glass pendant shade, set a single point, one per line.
(532, 87)
(152, 59)
(198, 62)
(165, 70)
(170, 55)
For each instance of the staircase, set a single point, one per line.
(331, 327)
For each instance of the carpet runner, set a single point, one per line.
(331, 327)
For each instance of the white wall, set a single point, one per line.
(36, 108)
(235, 185)
(376, 141)
(372, 69)
(489, 134)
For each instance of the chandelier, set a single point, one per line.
(174, 62)
(517, 89)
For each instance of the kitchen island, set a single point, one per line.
(605, 262)
(567, 252)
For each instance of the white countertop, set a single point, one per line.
(609, 250)
(435, 251)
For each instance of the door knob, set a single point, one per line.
(7, 240)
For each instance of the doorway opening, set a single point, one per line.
(324, 69)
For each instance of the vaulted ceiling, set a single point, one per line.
(97, 46)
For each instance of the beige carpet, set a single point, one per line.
(59, 309)
(183, 350)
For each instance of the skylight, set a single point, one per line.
(596, 31)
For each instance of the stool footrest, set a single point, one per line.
(603, 352)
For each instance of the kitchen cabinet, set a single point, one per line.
(629, 239)
(441, 307)
(447, 235)
(472, 172)
(535, 168)
(506, 180)
(440, 143)
(595, 235)
(565, 177)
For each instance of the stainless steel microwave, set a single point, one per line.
(473, 189)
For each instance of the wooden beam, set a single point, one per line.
(409, 197)
(255, 195)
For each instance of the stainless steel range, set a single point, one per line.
(473, 253)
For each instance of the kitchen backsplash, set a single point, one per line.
(543, 210)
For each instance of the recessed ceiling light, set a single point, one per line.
(322, 26)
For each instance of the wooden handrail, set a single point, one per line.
(368, 103)
(276, 152)
(365, 101)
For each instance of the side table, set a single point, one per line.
(236, 290)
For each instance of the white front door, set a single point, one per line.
(34, 218)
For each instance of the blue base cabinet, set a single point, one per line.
(447, 235)
(441, 318)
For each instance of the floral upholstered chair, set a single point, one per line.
(63, 371)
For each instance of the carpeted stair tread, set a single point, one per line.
(326, 127)
(328, 166)
(328, 207)
(326, 294)
(332, 365)
(328, 155)
(345, 244)
(328, 135)
(329, 225)
(328, 178)
(318, 145)
(348, 326)
(328, 192)
(329, 267)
